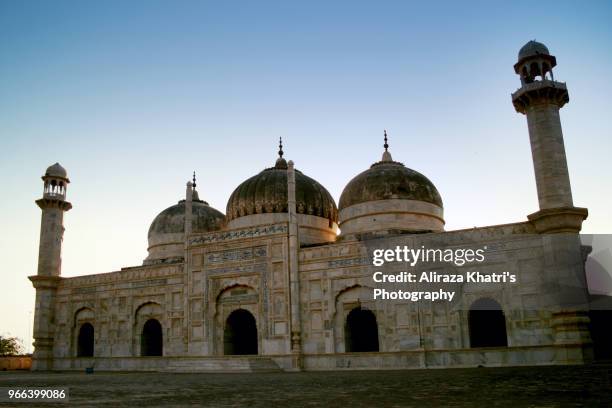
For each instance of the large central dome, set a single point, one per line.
(262, 199)
(266, 192)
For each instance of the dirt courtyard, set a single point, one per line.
(583, 386)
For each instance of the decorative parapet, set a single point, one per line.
(254, 232)
(134, 275)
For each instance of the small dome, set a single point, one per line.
(532, 48)
(387, 180)
(172, 219)
(266, 192)
(166, 234)
(56, 170)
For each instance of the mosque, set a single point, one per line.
(283, 280)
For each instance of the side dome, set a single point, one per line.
(263, 200)
(167, 231)
(386, 180)
(172, 219)
(390, 197)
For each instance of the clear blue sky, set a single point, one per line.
(131, 97)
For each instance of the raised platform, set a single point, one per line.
(566, 354)
(223, 364)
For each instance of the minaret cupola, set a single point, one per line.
(55, 182)
(534, 60)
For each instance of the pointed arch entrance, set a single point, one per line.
(361, 331)
(240, 333)
(85, 340)
(151, 340)
(487, 324)
(601, 333)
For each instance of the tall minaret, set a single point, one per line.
(53, 205)
(563, 278)
(540, 98)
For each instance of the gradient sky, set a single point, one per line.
(131, 97)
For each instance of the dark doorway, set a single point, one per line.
(361, 331)
(151, 343)
(240, 335)
(601, 333)
(487, 324)
(85, 341)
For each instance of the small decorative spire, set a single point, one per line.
(280, 162)
(386, 145)
(194, 180)
(386, 157)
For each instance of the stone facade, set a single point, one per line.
(279, 289)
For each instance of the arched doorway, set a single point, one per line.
(240, 334)
(601, 333)
(487, 324)
(85, 341)
(151, 341)
(361, 333)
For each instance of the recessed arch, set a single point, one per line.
(83, 314)
(355, 292)
(147, 308)
(487, 324)
(229, 289)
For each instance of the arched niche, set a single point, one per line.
(83, 330)
(230, 299)
(144, 313)
(346, 300)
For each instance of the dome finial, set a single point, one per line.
(386, 157)
(280, 162)
(194, 180)
(386, 145)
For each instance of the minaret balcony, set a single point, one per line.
(537, 92)
(56, 201)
